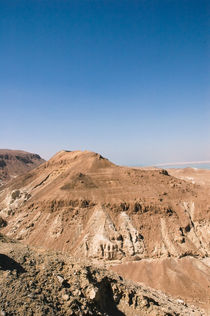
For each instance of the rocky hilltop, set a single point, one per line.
(16, 162)
(37, 282)
(82, 204)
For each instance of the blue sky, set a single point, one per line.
(128, 79)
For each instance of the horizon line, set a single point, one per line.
(183, 163)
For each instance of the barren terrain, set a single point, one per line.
(151, 226)
(37, 282)
(193, 175)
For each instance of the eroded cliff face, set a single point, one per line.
(100, 233)
(37, 282)
(81, 203)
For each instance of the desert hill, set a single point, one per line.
(37, 282)
(16, 162)
(193, 175)
(82, 204)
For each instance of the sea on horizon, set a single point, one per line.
(196, 166)
(177, 166)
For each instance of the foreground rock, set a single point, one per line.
(36, 282)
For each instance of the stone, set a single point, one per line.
(65, 297)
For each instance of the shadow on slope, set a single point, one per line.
(105, 300)
(7, 263)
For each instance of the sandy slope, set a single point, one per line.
(187, 278)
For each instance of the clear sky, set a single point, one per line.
(127, 79)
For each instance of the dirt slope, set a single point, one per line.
(187, 278)
(16, 162)
(37, 282)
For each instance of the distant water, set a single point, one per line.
(198, 166)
